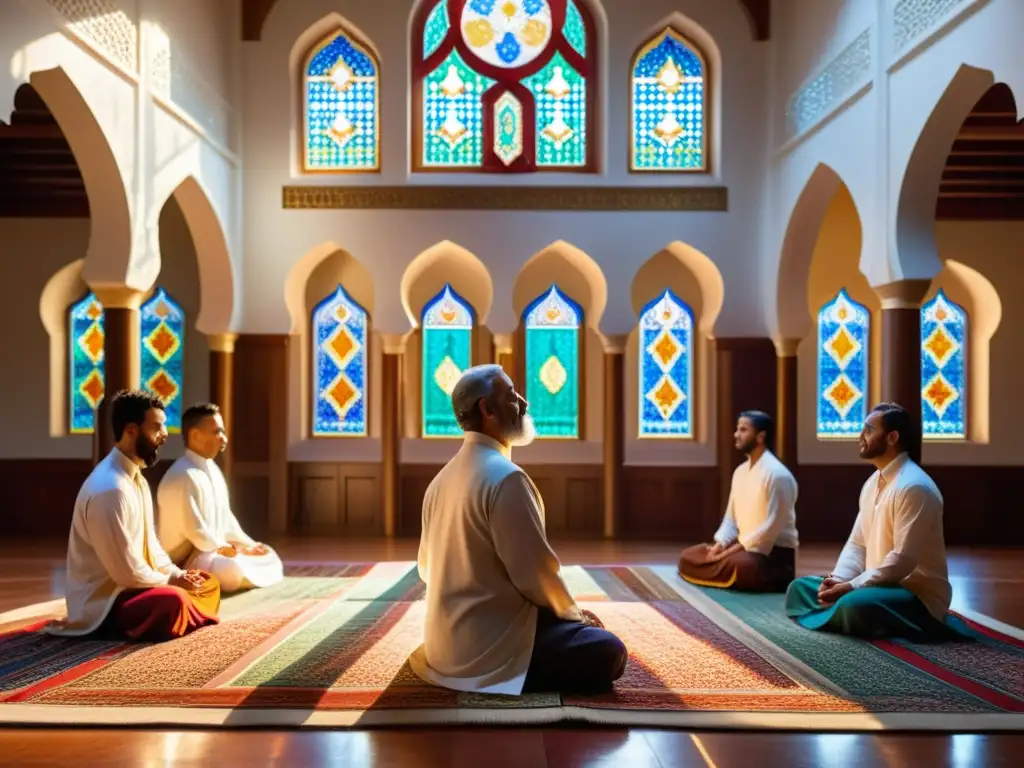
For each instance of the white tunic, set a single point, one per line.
(897, 537)
(761, 512)
(485, 559)
(111, 528)
(196, 520)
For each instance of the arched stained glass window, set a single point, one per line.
(339, 367)
(669, 118)
(943, 369)
(503, 85)
(341, 114)
(162, 332)
(666, 368)
(553, 328)
(844, 337)
(85, 363)
(447, 324)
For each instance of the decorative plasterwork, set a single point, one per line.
(913, 18)
(837, 80)
(110, 29)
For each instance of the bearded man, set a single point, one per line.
(119, 579)
(499, 616)
(891, 578)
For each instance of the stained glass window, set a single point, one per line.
(342, 119)
(85, 363)
(844, 334)
(669, 123)
(447, 351)
(339, 367)
(554, 324)
(943, 369)
(503, 85)
(162, 332)
(666, 368)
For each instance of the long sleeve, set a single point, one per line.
(781, 493)
(916, 513)
(727, 532)
(109, 525)
(183, 500)
(852, 559)
(517, 530)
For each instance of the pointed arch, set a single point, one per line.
(442, 263)
(507, 93)
(844, 339)
(339, 83)
(447, 324)
(666, 368)
(340, 335)
(553, 325)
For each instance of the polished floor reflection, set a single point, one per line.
(985, 581)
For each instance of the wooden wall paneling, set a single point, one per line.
(670, 503)
(37, 496)
(335, 498)
(414, 480)
(573, 498)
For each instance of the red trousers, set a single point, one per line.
(163, 613)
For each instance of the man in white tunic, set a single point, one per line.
(119, 578)
(755, 547)
(197, 526)
(891, 578)
(499, 617)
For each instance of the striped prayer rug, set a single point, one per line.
(328, 647)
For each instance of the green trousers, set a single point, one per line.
(868, 612)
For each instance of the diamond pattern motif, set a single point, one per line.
(553, 375)
(554, 324)
(340, 327)
(943, 369)
(843, 332)
(666, 365)
(85, 364)
(162, 325)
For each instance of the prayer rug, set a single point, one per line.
(328, 647)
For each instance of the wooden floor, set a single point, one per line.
(986, 581)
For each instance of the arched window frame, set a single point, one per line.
(427, 374)
(851, 421)
(360, 355)
(686, 356)
(362, 47)
(505, 81)
(162, 342)
(522, 360)
(82, 315)
(934, 424)
(651, 44)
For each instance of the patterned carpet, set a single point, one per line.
(328, 647)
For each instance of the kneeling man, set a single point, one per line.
(197, 526)
(891, 578)
(499, 617)
(119, 578)
(755, 546)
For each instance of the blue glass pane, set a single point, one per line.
(162, 333)
(666, 368)
(85, 363)
(447, 351)
(943, 369)
(342, 123)
(339, 367)
(453, 114)
(668, 107)
(843, 346)
(553, 324)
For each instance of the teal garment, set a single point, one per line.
(868, 612)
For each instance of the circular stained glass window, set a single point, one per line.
(506, 33)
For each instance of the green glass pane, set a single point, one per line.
(574, 30)
(446, 354)
(560, 94)
(453, 115)
(436, 28)
(552, 380)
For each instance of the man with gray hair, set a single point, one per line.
(499, 617)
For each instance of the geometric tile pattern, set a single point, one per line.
(480, 51)
(447, 324)
(844, 333)
(553, 325)
(339, 327)
(668, 99)
(666, 368)
(85, 363)
(943, 369)
(342, 123)
(162, 354)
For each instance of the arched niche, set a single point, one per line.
(693, 280)
(444, 265)
(65, 287)
(579, 278)
(834, 266)
(315, 277)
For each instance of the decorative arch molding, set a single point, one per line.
(444, 263)
(575, 272)
(64, 288)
